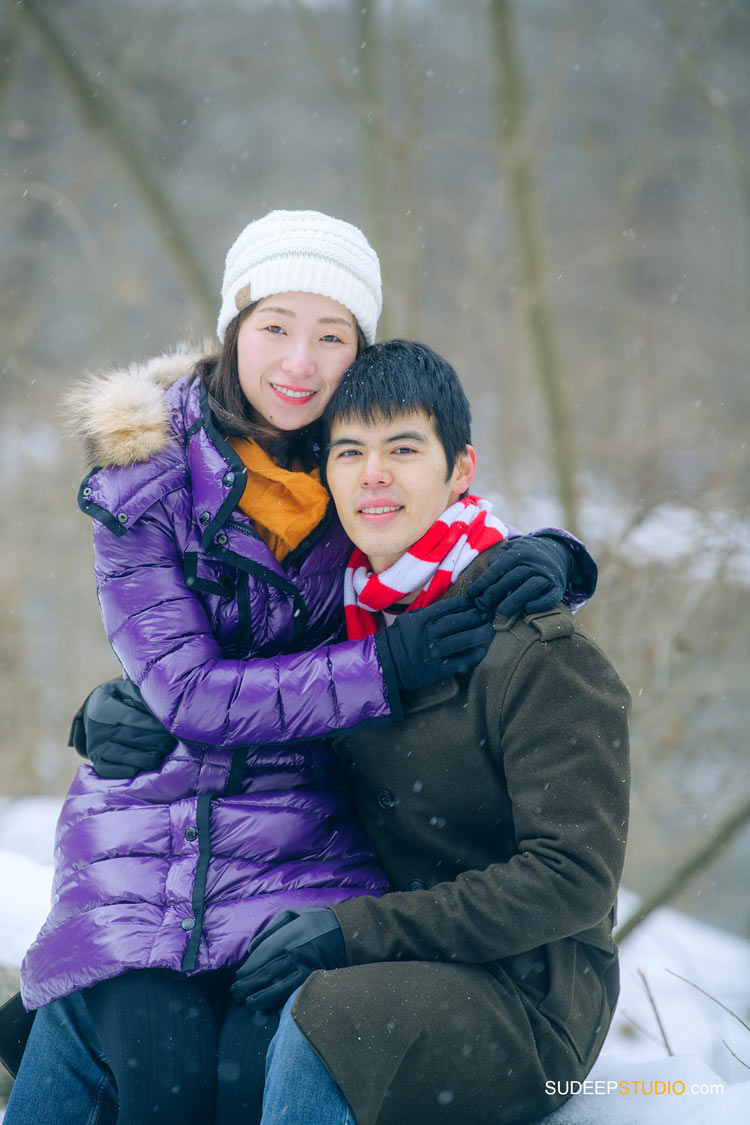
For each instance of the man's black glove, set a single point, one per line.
(425, 645)
(115, 730)
(527, 575)
(294, 944)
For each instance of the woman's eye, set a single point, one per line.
(331, 339)
(275, 328)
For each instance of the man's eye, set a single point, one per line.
(348, 453)
(404, 449)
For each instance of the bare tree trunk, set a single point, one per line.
(524, 223)
(374, 160)
(405, 202)
(101, 114)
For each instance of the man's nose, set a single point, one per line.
(374, 472)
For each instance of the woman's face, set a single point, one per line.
(292, 351)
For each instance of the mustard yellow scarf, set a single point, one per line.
(285, 505)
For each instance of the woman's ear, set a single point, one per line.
(464, 470)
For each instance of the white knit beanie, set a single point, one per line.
(302, 252)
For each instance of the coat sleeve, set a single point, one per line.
(161, 635)
(562, 727)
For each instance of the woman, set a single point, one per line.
(217, 563)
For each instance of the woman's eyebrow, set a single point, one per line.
(277, 309)
(290, 312)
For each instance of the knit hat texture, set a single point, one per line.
(302, 252)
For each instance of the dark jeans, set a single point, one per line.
(149, 1045)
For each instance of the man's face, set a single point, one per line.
(390, 482)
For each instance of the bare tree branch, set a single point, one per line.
(698, 988)
(102, 115)
(655, 1010)
(676, 880)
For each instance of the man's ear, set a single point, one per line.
(464, 470)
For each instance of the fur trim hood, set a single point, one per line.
(121, 417)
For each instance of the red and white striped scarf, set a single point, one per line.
(431, 565)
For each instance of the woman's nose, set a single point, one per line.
(298, 361)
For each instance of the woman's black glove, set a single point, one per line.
(425, 645)
(293, 945)
(527, 575)
(115, 730)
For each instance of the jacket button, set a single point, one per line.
(122, 517)
(221, 538)
(228, 480)
(188, 923)
(204, 518)
(386, 799)
(415, 885)
(87, 491)
(191, 833)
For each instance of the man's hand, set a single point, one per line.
(281, 957)
(444, 639)
(115, 730)
(527, 575)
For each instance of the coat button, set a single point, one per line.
(228, 480)
(221, 538)
(415, 885)
(386, 799)
(204, 518)
(87, 491)
(122, 517)
(188, 923)
(191, 833)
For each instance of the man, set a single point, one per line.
(498, 810)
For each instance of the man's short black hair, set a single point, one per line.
(398, 377)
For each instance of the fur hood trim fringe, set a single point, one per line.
(121, 417)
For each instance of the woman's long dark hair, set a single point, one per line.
(234, 415)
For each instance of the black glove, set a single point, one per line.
(293, 945)
(527, 575)
(115, 730)
(444, 639)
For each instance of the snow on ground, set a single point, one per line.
(700, 1083)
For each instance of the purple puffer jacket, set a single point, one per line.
(181, 867)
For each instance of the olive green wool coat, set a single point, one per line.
(498, 809)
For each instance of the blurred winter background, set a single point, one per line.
(560, 195)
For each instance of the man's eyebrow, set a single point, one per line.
(405, 435)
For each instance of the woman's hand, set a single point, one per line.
(425, 645)
(527, 575)
(115, 730)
